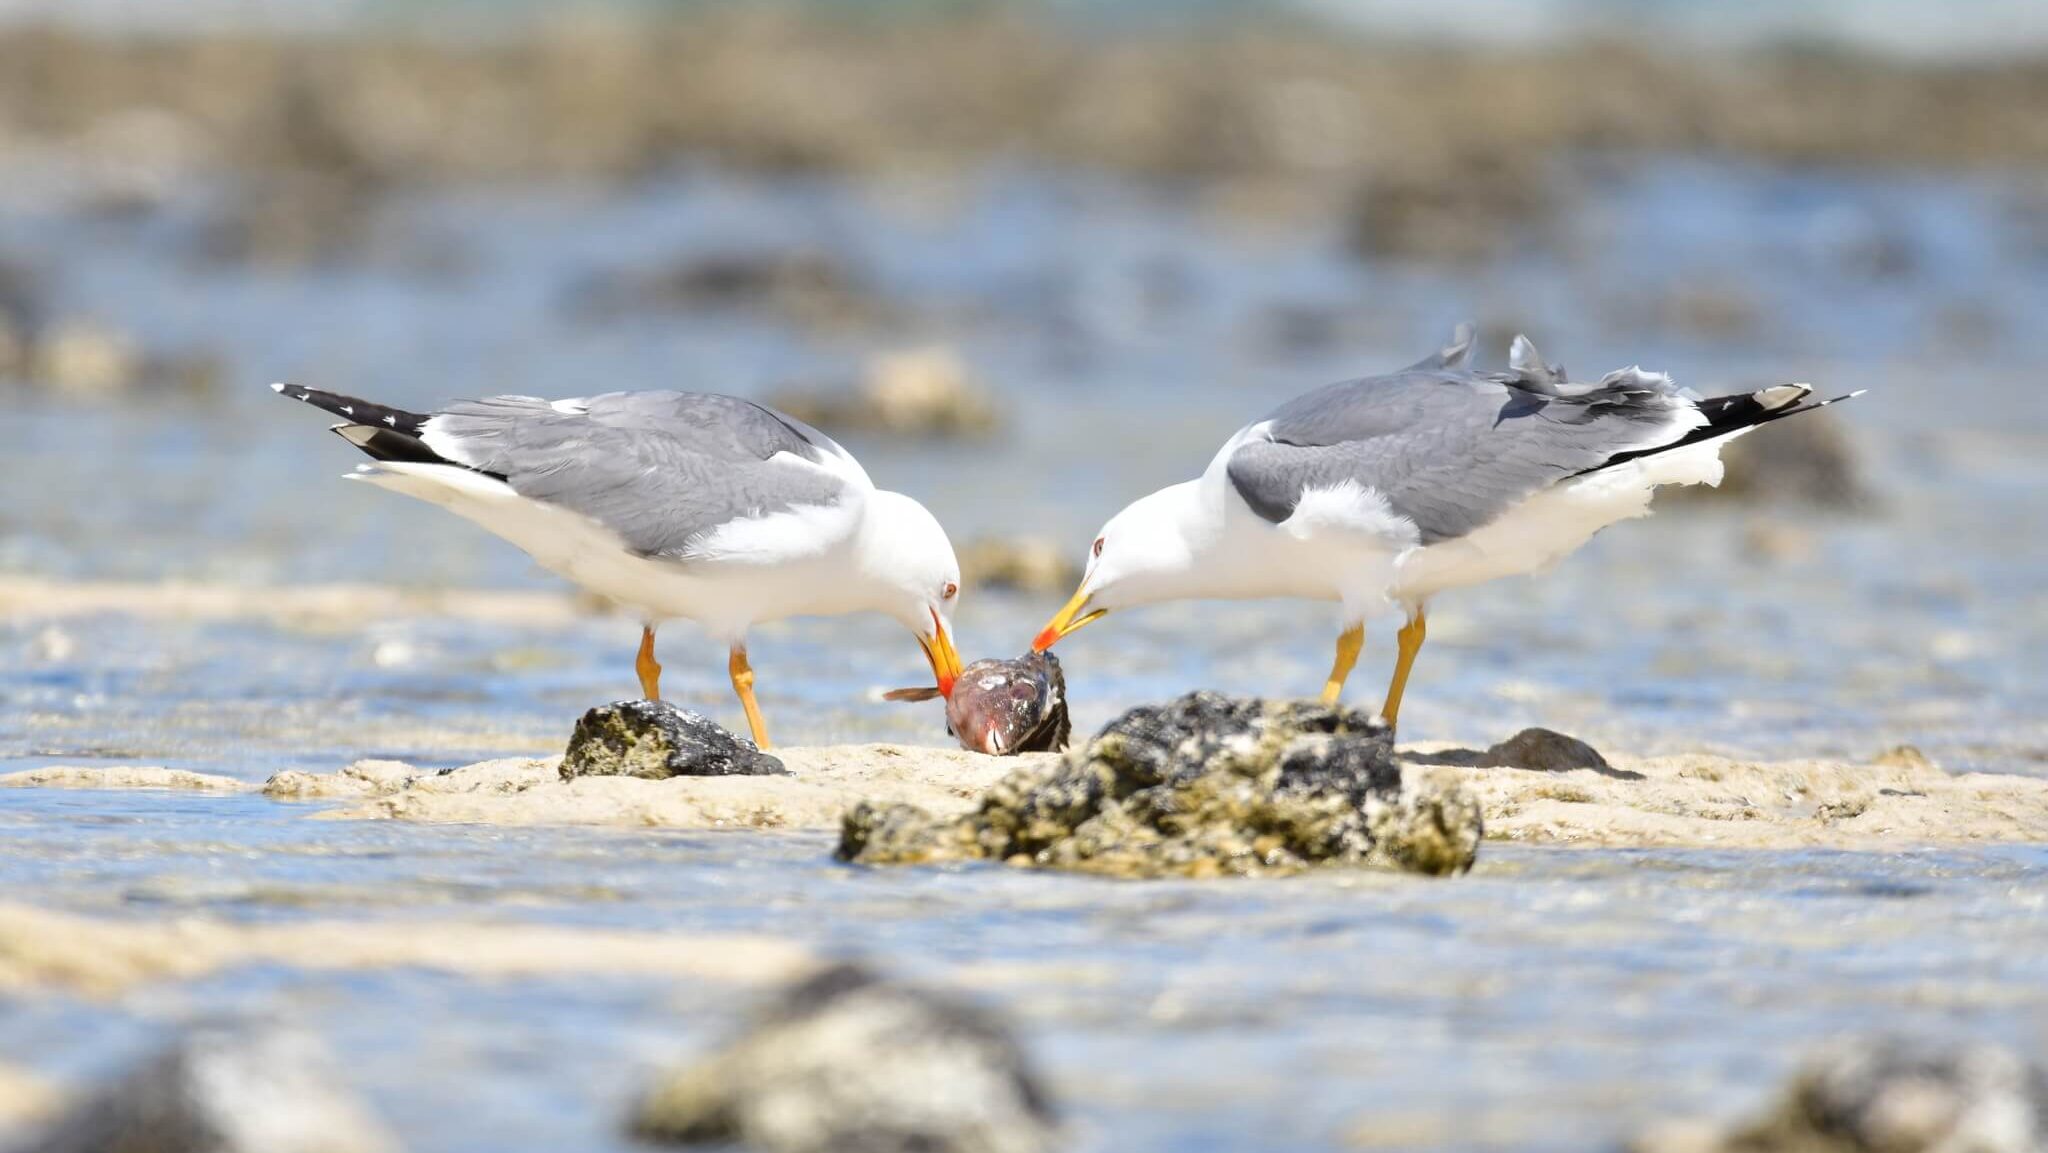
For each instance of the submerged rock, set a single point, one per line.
(657, 740)
(222, 1089)
(1027, 564)
(1204, 785)
(1889, 1095)
(1810, 460)
(918, 392)
(809, 288)
(848, 1061)
(1452, 205)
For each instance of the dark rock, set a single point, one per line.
(812, 289)
(222, 1089)
(1544, 751)
(1205, 785)
(1891, 1095)
(658, 740)
(847, 1061)
(1461, 207)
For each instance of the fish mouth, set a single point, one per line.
(992, 739)
(1069, 619)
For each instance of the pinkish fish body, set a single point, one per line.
(1003, 707)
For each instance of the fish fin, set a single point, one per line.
(921, 693)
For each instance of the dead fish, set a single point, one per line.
(1001, 707)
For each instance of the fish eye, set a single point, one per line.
(1098, 546)
(949, 592)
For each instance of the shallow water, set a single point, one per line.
(1555, 999)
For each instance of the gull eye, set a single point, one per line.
(1098, 546)
(949, 592)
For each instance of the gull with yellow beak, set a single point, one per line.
(1380, 493)
(674, 504)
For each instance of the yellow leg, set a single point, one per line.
(1348, 647)
(743, 684)
(650, 672)
(1410, 637)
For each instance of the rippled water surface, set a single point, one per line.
(1555, 999)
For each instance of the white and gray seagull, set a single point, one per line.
(1380, 493)
(674, 504)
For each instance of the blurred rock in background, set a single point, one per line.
(848, 1059)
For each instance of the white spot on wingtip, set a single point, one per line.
(277, 388)
(348, 410)
(1780, 395)
(392, 421)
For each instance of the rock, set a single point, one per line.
(1807, 459)
(848, 1061)
(1204, 785)
(1026, 564)
(87, 360)
(657, 740)
(83, 358)
(1543, 751)
(288, 221)
(923, 392)
(1451, 207)
(1714, 312)
(1889, 1095)
(811, 289)
(222, 1089)
(1904, 757)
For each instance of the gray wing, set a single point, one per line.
(660, 469)
(1452, 450)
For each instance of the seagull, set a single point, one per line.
(1382, 492)
(673, 504)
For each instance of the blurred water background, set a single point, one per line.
(1119, 231)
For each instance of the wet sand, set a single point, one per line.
(1694, 800)
(334, 605)
(24, 1097)
(102, 958)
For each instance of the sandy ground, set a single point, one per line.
(823, 784)
(122, 777)
(24, 1097)
(1693, 800)
(99, 958)
(1707, 801)
(338, 605)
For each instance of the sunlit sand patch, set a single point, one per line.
(102, 958)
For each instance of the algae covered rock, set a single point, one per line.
(1204, 785)
(848, 1061)
(1889, 1095)
(230, 1088)
(658, 740)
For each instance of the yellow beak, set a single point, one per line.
(1067, 620)
(944, 658)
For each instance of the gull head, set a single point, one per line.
(909, 562)
(1147, 553)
